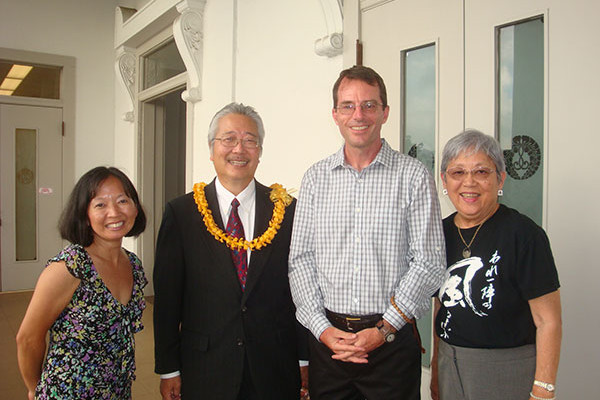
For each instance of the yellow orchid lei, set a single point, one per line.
(278, 195)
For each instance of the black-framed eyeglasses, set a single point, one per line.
(480, 174)
(231, 141)
(367, 107)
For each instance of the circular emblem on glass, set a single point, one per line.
(524, 158)
(25, 176)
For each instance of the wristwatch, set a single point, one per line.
(548, 386)
(388, 333)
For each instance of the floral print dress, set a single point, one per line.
(91, 352)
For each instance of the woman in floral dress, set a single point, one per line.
(89, 298)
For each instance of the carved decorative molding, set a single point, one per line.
(125, 65)
(189, 38)
(332, 44)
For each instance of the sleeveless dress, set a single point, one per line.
(91, 352)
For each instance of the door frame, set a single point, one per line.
(146, 134)
(66, 102)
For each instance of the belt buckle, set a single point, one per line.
(349, 320)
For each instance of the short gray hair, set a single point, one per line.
(473, 141)
(235, 108)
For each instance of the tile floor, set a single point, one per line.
(12, 309)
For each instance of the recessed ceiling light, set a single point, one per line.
(10, 83)
(19, 71)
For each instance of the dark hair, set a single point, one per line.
(361, 73)
(74, 222)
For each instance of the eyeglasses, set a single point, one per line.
(230, 141)
(480, 174)
(367, 107)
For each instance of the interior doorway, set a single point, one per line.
(163, 162)
(169, 113)
(31, 191)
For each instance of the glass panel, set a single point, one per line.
(521, 114)
(162, 64)
(25, 194)
(29, 80)
(419, 104)
(419, 132)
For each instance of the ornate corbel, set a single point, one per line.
(332, 44)
(125, 66)
(189, 38)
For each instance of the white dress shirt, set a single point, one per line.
(246, 209)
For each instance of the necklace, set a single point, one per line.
(278, 195)
(467, 250)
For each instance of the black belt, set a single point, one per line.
(352, 323)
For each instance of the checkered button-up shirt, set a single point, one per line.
(361, 237)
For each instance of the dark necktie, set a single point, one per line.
(236, 229)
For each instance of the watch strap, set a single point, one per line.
(388, 334)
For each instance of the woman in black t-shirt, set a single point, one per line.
(498, 313)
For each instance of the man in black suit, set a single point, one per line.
(224, 324)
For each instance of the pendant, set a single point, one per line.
(466, 252)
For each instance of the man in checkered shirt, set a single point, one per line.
(366, 255)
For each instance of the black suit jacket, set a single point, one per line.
(204, 324)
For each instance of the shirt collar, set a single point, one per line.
(225, 197)
(384, 156)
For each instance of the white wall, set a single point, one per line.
(279, 73)
(82, 29)
(573, 187)
(265, 58)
